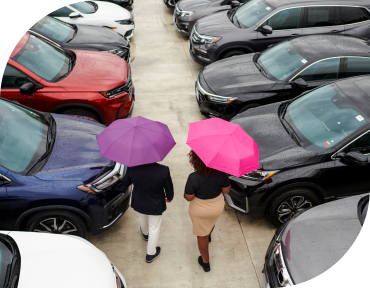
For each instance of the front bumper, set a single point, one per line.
(126, 30)
(183, 26)
(197, 55)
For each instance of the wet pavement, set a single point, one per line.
(164, 77)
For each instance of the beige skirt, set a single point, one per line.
(204, 214)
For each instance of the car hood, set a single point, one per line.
(317, 239)
(235, 75)
(277, 150)
(60, 261)
(215, 24)
(76, 154)
(95, 71)
(96, 38)
(111, 11)
(195, 5)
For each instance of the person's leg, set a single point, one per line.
(154, 229)
(144, 223)
(203, 244)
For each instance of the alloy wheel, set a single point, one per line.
(56, 226)
(291, 206)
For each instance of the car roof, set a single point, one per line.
(280, 3)
(20, 44)
(316, 47)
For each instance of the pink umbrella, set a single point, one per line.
(223, 146)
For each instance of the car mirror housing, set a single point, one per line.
(27, 88)
(74, 15)
(299, 83)
(234, 4)
(266, 29)
(4, 180)
(355, 158)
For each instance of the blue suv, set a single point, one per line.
(52, 175)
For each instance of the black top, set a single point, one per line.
(206, 187)
(150, 181)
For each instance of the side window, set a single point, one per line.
(322, 16)
(323, 70)
(62, 12)
(357, 66)
(286, 19)
(13, 78)
(354, 15)
(362, 144)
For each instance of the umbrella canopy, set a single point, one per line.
(223, 146)
(135, 141)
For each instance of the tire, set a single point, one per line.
(81, 112)
(65, 220)
(291, 198)
(232, 53)
(247, 107)
(170, 3)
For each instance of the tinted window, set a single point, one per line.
(324, 117)
(357, 66)
(253, 11)
(84, 7)
(322, 16)
(43, 59)
(54, 29)
(323, 70)
(62, 12)
(22, 137)
(13, 78)
(286, 19)
(362, 144)
(354, 15)
(6, 257)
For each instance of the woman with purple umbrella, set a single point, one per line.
(139, 143)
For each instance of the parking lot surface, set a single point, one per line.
(164, 77)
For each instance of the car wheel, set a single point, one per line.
(289, 202)
(57, 222)
(232, 53)
(81, 112)
(170, 3)
(250, 106)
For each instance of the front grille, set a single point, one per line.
(237, 186)
(128, 33)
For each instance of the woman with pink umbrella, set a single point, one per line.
(218, 148)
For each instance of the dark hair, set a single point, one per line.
(198, 164)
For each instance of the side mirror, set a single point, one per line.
(235, 4)
(4, 180)
(266, 29)
(28, 88)
(74, 15)
(299, 83)
(354, 158)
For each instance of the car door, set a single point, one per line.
(64, 15)
(316, 74)
(13, 79)
(322, 19)
(356, 20)
(285, 24)
(5, 219)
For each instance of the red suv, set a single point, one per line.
(48, 78)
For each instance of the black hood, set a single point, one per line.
(277, 150)
(95, 38)
(215, 24)
(235, 75)
(196, 5)
(319, 238)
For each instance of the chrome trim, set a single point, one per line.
(315, 63)
(213, 95)
(111, 223)
(232, 205)
(117, 168)
(5, 178)
(43, 37)
(333, 156)
(284, 270)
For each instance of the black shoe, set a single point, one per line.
(150, 258)
(209, 238)
(146, 237)
(205, 266)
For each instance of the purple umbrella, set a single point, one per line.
(135, 141)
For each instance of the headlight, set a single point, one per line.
(198, 38)
(117, 279)
(126, 22)
(119, 90)
(259, 175)
(213, 97)
(105, 181)
(186, 13)
(118, 52)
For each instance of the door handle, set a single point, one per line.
(334, 31)
(295, 34)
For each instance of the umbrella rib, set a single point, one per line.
(218, 150)
(157, 131)
(149, 142)
(116, 139)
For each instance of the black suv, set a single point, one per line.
(259, 23)
(312, 149)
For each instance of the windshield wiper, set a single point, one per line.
(9, 274)
(237, 21)
(70, 66)
(74, 33)
(259, 67)
(293, 134)
(284, 109)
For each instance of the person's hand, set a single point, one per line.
(168, 201)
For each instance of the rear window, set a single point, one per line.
(355, 14)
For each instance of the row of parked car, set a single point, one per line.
(292, 74)
(67, 76)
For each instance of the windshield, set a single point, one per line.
(324, 117)
(43, 59)
(253, 11)
(282, 60)
(6, 256)
(85, 7)
(363, 207)
(23, 136)
(54, 29)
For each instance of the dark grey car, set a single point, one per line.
(259, 23)
(187, 12)
(313, 241)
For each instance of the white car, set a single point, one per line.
(39, 260)
(98, 13)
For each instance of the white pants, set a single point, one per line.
(151, 224)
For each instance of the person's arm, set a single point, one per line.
(226, 190)
(226, 185)
(189, 197)
(189, 192)
(168, 187)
